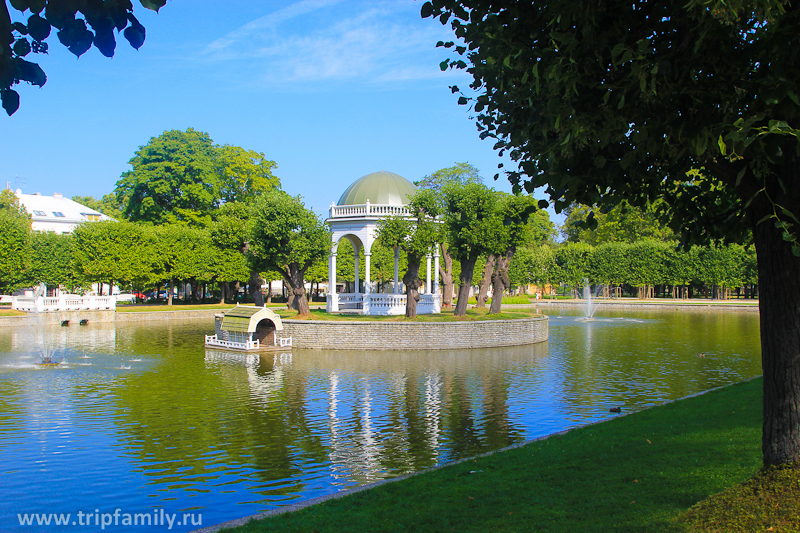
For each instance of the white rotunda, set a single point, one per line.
(355, 217)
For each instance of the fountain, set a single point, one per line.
(590, 306)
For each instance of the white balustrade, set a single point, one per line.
(41, 304)
(213, 340)
(368, 210)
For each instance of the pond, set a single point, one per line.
(142, 418)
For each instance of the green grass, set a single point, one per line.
(635, 473)
(445, 316)
(151, 307)
(771, 499)
(7, 311)
(517, 300)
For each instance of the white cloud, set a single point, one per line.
(327, 40)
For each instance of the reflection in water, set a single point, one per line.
(152, 418)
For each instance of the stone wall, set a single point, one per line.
(57, 317)
(378, 335)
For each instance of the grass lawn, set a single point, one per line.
(150, 307)
(7, 311)
(640, 472)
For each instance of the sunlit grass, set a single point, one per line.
(635, 473)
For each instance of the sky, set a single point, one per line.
(331, 90)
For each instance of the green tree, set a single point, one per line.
(228, 235)
(606, 102)
(109, 205)
(416, 236)
(461, 174)
(514, 212)
(114, 252)
(173, 179)
(15, 242)
(36, 18)
(243, 174)
(52, 260)
(573, 260)
(623, 223)
(471, 223)
(288, 238)
(609, 263)
(184, 254)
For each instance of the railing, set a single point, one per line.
(368, 210)
(41, 304)
(351, 300)
(284, 341)
(213, 340)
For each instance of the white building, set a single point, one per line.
(355, 217)
(56, 213)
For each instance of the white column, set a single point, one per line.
(436, 269)
(367, 281)
(396, 267)
(357, 261)
(428, 274)
(333, 300)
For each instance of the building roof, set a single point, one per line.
(379, 188)
(54, 213)
(245, 319)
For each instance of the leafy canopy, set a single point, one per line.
(79, 24)
(600, 102)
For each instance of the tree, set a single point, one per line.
(52, 260)
(243, 174)
(416, 236)
(288, 238)
(26, 36)
(228, 237)
(471, 222)
(114, 252)
(623, 223)
(462, 174)
(15, 241)
(174, 179)
(514, 211)
(694, 103)
(184, 254)
(109, 205)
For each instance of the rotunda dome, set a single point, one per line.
(379, 188)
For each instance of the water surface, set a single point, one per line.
(140, 417)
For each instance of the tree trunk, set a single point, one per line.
(256, 281)
(269, 292)
(500, 281)
(467, 268)
(779, 305)
(486, 281)
(297, 292)
(169, 291)
(413, 283)
(446, 273)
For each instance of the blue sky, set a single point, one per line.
(330, 90)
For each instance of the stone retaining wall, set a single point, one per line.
(57, 317)
(363, 335)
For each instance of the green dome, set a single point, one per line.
(379, 188)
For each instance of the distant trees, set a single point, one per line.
(15, 241)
